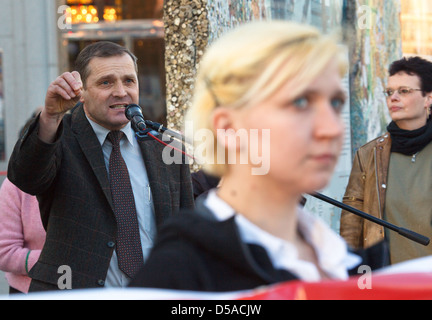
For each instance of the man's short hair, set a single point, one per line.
(101, 49)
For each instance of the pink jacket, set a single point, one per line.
(22, 235)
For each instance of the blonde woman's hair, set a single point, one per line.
(253, 61)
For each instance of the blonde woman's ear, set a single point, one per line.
(221, 118)
(226, 125)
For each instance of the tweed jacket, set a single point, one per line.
(366, 191)
(71, 182)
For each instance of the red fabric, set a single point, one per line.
(410, 286)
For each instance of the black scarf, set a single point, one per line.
(409, 142)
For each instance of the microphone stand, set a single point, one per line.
(402, 231)
(160, 128)
(156, 129)
(142, 135)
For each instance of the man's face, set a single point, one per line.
(112, 84)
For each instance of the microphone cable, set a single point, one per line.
(167, 145)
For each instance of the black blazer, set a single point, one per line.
(198, 253)
(71, 182)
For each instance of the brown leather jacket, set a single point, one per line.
(366, 191)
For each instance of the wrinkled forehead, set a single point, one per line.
(115, 66)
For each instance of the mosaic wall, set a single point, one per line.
(372, 33)
(224, 15)
(186, 37)
(373, 46)
(191, 25)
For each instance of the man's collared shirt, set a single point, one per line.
(132, 155)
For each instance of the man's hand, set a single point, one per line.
(62, 95)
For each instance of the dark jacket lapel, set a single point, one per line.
(158, 176)
(91, 148)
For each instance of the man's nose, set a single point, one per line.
(119, 90)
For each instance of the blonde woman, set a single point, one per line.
(280, 83)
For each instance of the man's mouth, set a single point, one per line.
(118, 106)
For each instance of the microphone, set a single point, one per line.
(134, 114)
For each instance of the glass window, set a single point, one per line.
(135, 24)
(416, 18)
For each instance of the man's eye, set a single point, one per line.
(404, 91)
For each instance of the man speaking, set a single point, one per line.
(102, 193)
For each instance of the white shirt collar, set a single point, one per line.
(101, 132)
(332, 252)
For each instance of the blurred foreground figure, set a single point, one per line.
(274, 87)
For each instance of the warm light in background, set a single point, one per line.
(110, 14)
(82, 14)
(90, 11)
(416, 21)
(80, 1)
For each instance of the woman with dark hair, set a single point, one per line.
(391, 175)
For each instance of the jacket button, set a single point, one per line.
(111, 244)
(384, 186)
(101, 282)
